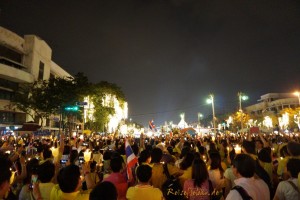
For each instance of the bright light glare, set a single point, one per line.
(297, 93)
(244, 98)
(209, 101)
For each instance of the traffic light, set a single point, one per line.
(71, 108)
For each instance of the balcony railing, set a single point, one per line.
(12, 63)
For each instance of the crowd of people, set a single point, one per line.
(265, 167)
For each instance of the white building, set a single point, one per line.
(22, 60)
(273, 103)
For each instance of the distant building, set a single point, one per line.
(22, 60)
(272, 103)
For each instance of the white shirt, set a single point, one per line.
(286, 191)
(256, 188)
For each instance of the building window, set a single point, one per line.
(41, 71)
(6, 95)
(6, 117)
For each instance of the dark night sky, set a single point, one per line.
(169, 55)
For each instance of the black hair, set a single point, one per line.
(156, 155)
(293, 166)
(104, 191)
(264, 155)
(215, 158)
(31, 167)
(47, 153)
(245, 165)
(46, 171)
(144, 173)
(187, 161)
(293, 148)
(4, 168)
(249, 146)
(144, 155)
(283, 152)
(73, 156)
(184, 151)
(116, 164)
(199, 171)
(68, 178)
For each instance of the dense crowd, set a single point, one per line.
(246, 166)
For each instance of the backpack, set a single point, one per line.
(242, 192)
(171, 188)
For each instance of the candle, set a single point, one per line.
(87, 155)
(238, 149)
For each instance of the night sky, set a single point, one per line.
(169, 55)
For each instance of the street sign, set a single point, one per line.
(81, 103)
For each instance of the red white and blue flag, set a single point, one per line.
(131, 160)
(152, 126)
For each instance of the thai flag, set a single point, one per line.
(152, 126)
(130, 161)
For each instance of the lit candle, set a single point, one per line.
(238, 149)
(87, 155)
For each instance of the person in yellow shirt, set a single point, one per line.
(143, 190)
(158, 177)
(69, 184)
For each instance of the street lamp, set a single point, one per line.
(298, 95)
(211, 101)
(199, 117)
(242, 97)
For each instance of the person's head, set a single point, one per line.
(293, 148)
(231, 156)
(145, 157)
(243, 166)
(215, 160)
(144, 173)
(5, 175)
(293, 167)
(69, 179)
(116, 164)
(47, 153)
(104, 191)
(156, 155)
(184, 151)
(283, 152)
(187, 161)
(46, 171)
(31, 168)
(199, 171)
(74, 156)
(248, 147)
(264, 155)
(259, 144)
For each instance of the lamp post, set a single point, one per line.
(298, 95)
(199, 117)
(211, 101)
(242, 97)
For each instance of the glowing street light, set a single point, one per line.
(199, 117)
(298, 95)
(241, 98)
(211, 101)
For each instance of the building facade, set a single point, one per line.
(272, 103)
(22, 60)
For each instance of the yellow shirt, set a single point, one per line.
(187, 174)
(144, 192)
(57, 194)
(158, 176)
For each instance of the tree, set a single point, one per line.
(44, 98)
(101, 113)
